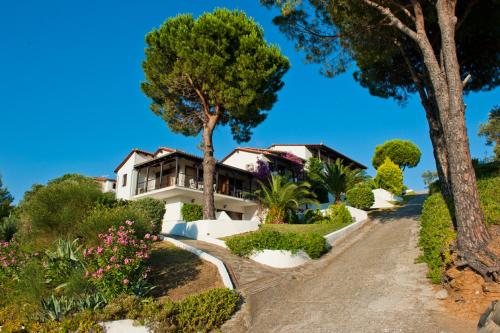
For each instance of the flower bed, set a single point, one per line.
(117, 266)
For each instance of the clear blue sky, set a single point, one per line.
(70, 99)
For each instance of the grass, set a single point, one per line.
(178, 273)
(322, 229)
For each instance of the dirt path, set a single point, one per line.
(372, 286)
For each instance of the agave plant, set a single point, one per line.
(281, 197)
(64, 257)
(337, 178)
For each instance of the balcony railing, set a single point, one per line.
(188, 182)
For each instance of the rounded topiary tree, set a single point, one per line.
(390, 177)
(402, 152)
(360, 197)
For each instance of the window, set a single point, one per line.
(124, 180)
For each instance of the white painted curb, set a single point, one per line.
(224, 274)
(336, 236)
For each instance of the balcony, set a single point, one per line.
(178, 172)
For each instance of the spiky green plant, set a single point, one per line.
(337, 178)
(280, 196)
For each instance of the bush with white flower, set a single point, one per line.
(118, 264)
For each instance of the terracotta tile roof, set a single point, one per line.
(135, 150)
(103, 179)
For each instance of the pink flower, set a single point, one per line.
(155, 238)
(125, 281)
(112, 259)
(128, 222)
(99, 250)
(147, 236)
(126, 261)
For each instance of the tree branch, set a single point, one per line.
(394, 21)
(206, 107)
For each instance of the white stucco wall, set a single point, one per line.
(280, 258)
(384, 199)
(126, 192)
(300, 151)
(243, 159)
(107, 186)
(209, 228)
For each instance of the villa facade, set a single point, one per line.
(176, 177)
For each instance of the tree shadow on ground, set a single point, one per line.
(171, 267)
(411, 210)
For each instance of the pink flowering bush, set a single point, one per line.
(11, 259)
(117, 264)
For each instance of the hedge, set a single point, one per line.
(191, 212)
(312, 243)
(489, 194)
(436, 235)
(360, 197)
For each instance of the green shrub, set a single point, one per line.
(390, 177)
(338, 214)
(154, 210)
(244, 245)
(436, 235)
(191, 212)
(489, 193)
(204, 312)
(313, 216)
(360, 197)
(118, 264)
(58, 208)
(8, 227)
(100, 218)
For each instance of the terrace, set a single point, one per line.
(179, 170)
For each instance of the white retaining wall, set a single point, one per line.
(383, 199)
(209, 228)
(280, 258)
(224, 274)
(336, 236)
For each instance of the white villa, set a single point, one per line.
(177, 177)
(107, 184)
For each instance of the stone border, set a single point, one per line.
(224, 274)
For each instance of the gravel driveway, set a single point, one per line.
(373, 285)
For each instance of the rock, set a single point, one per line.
(490, 319)
(442, 294)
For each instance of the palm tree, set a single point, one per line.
(280, 197)
(337, 178)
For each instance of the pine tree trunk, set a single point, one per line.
(472, 234)
(439, 150)
(208, 170)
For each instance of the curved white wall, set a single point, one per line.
(209, 228)
(280, 258)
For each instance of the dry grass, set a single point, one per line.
(178, 273)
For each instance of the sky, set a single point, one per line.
(70, 98)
